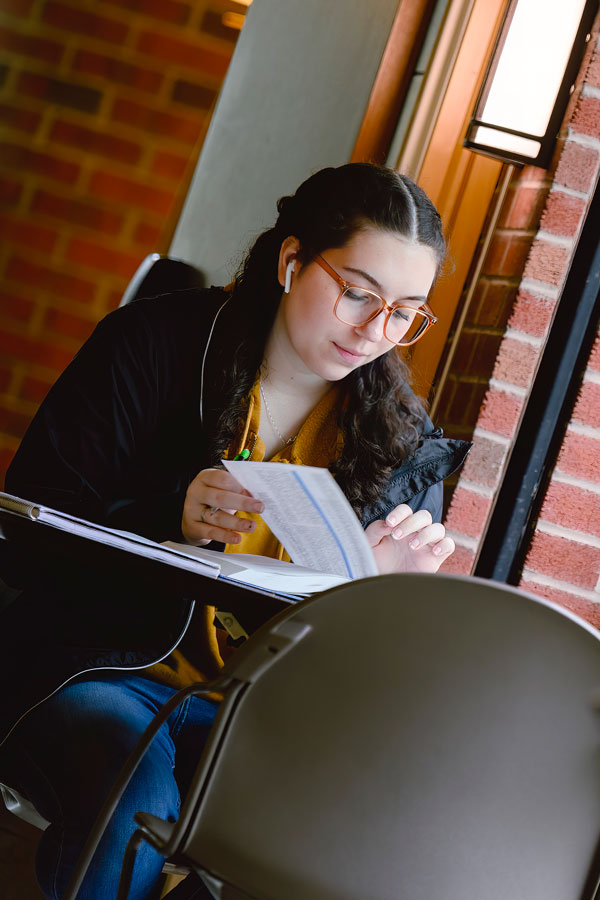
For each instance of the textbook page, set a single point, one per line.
(307, 511)
(264, 572)
(123, 540)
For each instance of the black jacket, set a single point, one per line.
(118, 440)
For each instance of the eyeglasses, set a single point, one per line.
(403, 325)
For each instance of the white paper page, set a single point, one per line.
(264, 572)
(297, 584)
(307, 511)
(127, 540)
(123, 540)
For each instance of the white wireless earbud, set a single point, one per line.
(288, 276)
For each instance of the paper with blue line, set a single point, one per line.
(308, 513)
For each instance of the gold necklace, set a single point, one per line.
(271, 420)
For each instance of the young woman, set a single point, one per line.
(298, 361)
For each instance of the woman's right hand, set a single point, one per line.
(211, 501)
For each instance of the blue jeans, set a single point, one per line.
(67, 753)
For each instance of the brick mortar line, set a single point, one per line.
(482, 490)
(143, 21)
(584, 140)
(589, 90)
(566, 586)
(463, 540)
(506, 388)
(556, 240)
(455, 377)
(492, 436)
(540, 288)
(584, 430)
(573, 481)
(487, 330)
(8, 441)
(533, 183)
(558, 188)
(19, 404)
(524, 338)
(570, 534)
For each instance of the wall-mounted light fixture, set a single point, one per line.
(529, 78)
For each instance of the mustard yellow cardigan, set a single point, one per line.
(318, 443)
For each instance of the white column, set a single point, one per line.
(292, 102)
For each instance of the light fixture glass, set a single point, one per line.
(529, 78)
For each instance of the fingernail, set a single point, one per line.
(250, 526)
(437, 551)
(391, 521)
(397, 534)
(414, 543)
(258, 506)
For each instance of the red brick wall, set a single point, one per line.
(563, 563)
(491, 305)
(103, 108)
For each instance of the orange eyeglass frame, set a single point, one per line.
(429, 318)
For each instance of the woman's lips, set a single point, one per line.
(348, 355)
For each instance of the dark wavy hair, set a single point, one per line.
(381, 419)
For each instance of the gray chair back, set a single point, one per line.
(428, 738)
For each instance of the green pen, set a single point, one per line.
(243, 455)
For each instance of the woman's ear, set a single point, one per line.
(288, 263)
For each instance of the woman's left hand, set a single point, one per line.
(408, 542)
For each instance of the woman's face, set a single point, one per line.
(401, 271)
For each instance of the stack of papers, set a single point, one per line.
(304, 508)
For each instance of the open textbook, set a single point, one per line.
(304, 507)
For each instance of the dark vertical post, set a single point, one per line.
(547, 412)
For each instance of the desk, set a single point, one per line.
(86, 605)
(48, 546)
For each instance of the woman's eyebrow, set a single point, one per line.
(411, 300)
(365, 275)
